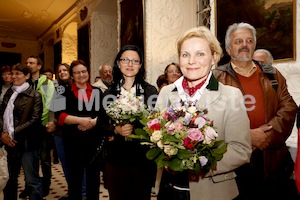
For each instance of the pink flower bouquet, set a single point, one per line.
(181, 137)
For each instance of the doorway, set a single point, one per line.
(7, 58)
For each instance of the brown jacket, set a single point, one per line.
(280, 112)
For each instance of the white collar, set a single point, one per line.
(186, 97)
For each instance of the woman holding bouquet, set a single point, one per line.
(80, 136)
(129, 175)
(198, 52)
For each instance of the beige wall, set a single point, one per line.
(164, 21)
(24, 47)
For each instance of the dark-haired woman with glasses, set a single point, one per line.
(129, 175)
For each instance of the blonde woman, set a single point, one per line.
(198, 51)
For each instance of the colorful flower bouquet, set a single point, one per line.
(181, 137)
(127, 109)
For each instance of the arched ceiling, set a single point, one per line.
(31, 19)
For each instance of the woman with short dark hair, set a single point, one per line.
(80, 136)
(20, 119)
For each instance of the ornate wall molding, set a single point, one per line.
(164, 22)
(103, 41)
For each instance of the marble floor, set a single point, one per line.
(58, 186)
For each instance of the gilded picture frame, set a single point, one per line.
(132, 31)
(275, 23)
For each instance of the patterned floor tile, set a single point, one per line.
(58, 186)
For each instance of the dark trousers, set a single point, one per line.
(252, 186)
(14, 166)
(30, 163)
(128, 182)
(170, 179)
(45, 157)
(78, 159)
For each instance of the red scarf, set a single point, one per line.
(191, 91)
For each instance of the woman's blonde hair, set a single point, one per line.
(204, 33)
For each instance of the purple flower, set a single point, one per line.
(200, 121)
(187, 118)
(170, 127)
(203, 160)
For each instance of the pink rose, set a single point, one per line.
(154, 124)
(195, 134)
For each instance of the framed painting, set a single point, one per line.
(275, 23)
(132, 22)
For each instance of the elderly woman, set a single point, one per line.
(198, 52)
(21, 113)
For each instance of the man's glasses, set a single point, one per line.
(127, 61)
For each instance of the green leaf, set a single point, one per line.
(140, 131)
(218, 143)
(126, 117)
(176, 164)
(161, 160)
(184, 154)
(218, 153)
(197, 167)
(152, 153)
(144, 121)
(221, 149)
(171, 138)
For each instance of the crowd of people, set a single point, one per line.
(256, 165)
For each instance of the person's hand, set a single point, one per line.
(124, 130)
(259, 138)
(50, 127)
(86, 123)
(5, 138)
